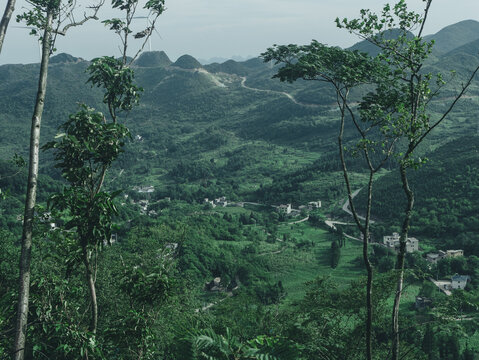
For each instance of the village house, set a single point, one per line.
(211, 202)
(435, 257)
(412, 245)
(221, 201)
(214, 285)
(144, 189)
(312, 205)
(459, 281)
(454, 253)
(392, 241)
(284, 209)
(143, 205)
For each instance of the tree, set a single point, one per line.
(207, 344)
(392, 119)
(5, 20)
(429, 345)
(48, 16)
(84, 152)
(335, 254)
(89, 145)
(345, 70)
(404, 94)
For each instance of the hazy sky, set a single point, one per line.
(223, 28)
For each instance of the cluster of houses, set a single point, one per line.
(457, 282)
(287, 209)
(221, 202)
(144, 189)
(392, 242)
(412, 245)
(143, 204)
(214, 285)
(435, 257)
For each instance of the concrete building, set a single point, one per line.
(392, 241)
(459, 281)
(412, 245)
(285, 209)
(435, 257)
(454, 253)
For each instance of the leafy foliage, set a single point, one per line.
(117, 81)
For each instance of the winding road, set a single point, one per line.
(331, 223)
(289, 96)
(346, 206)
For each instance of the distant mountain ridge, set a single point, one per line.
(183, 99)
(454, 36)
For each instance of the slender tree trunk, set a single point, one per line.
(24, 282)
(364, 229)
(369, 269)
(5, 20)
(91, 288)
(400, 260)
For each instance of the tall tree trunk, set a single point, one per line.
(24, 282)
(400, 260)
(364, 229)
(5, 20)
(91, 288)
(369, 269)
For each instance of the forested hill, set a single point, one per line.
(447, 189)
(230, 227)
(184, 97)
(229, 123)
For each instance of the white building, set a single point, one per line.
(314, 205)
(392, 241)
(211, 202)
(412, 245)
(459, 281)
(433, 257)
(221, 201)
(145, 189)
(285, 209)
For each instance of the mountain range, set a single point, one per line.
(247, 130)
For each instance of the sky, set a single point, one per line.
(227, 28)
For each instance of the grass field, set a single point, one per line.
(306, 255)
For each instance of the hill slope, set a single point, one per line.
(446, 192)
